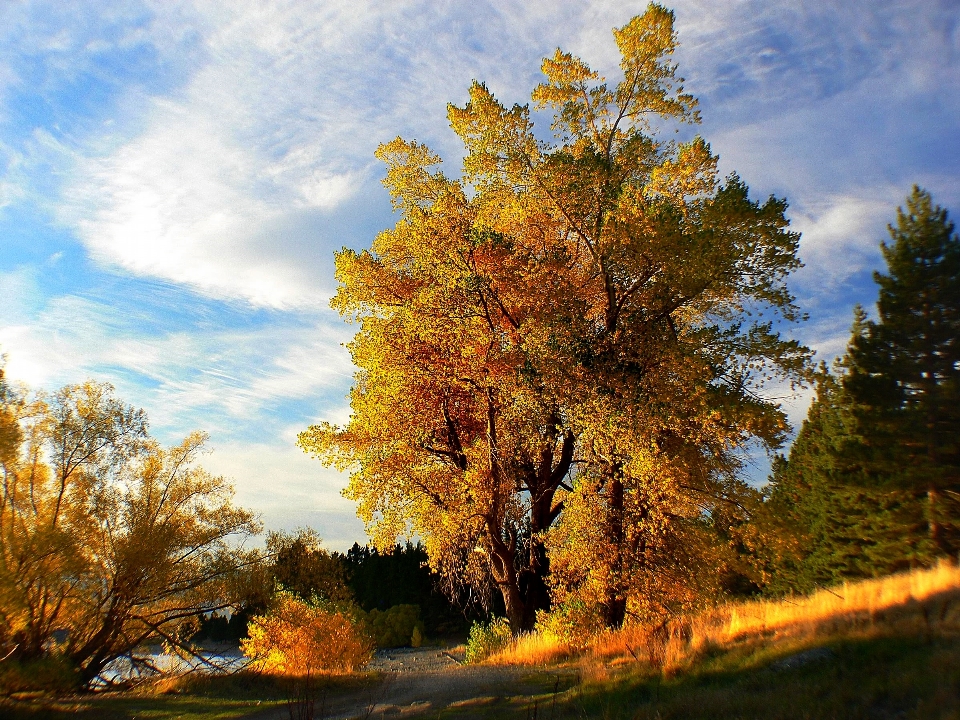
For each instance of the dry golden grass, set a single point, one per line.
(534, 648)
(928, 600)
(847, 602)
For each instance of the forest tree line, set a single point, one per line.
(393, 590)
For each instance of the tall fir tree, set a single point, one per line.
(903, 369)
(871, 484)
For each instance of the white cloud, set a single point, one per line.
(289, 489)
(182, 203)
(228, 381)
(841, 235)
(274, 132)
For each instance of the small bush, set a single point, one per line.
(51, 673)
(394, 627)
(301, 638)
(485, 640)
(573, 623)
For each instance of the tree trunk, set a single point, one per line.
(533, 585)
(525, 591)
(505, 576)
(934, 529)
(615, 603)
(521, 573)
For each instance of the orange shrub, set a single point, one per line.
(300, 638)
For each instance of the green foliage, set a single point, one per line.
(487, 638)
(52, 673)
(903, 369)
(220, 627)
(871, 483)
(846, 526)
(303, 567)
(364, 576)
(394, 627)
(401, 576)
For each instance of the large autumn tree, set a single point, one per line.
(578, 323)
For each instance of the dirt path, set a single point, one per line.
(414, 681)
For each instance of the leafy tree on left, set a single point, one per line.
(107, 539)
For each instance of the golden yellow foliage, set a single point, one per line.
(300, 638)
(581, 325)
(107, 538)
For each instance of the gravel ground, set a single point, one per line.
(405, 660)
(417, 680)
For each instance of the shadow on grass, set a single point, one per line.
(196, 697)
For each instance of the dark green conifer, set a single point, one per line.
(903, 370)
(844, 523)
(871, 484)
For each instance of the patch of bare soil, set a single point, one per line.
(414, 681)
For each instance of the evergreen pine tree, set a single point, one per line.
(844, 523)
(871, 484)
(903, 370)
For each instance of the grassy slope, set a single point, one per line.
(888, 647)
(860, 677)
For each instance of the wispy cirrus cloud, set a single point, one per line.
(239, 172)
(242, 382)
(243, 172)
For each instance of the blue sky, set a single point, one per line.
(175, 176)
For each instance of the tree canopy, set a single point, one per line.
(903, 369)
(107, 539)
(573, 335)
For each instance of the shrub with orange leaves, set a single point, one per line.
(304, 638)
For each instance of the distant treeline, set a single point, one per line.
(384, 586)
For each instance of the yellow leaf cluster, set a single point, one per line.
(300, 638)
(107, 539)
